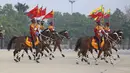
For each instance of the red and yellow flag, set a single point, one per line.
(49, 15)
(107, 14)
(43, 12)
(38, 13)
(98, 13)
(32, 12)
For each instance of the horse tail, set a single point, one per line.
(10, 43)
(77, 44)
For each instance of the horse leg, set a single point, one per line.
(100, 52)
(22, 54)
(60, 50)
(55, 46)
(87, 57)
(49, 54)
(38, 52)
(15, 53)
(91, 51)
(26, 50)
(50, 51)
(34, 53)
(78, 57)
(116, 51)
(110, 57)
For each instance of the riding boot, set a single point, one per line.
(33, 45)
(99, 46)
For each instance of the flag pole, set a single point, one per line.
(109, 18)
(53, 19)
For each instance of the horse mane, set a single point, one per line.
(62, 31)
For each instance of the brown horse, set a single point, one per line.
(56, 38)
(19, 43)
(84, 44)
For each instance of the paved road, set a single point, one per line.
(62, 65)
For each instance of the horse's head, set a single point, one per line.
(114, 35)
(65, 34)
(120, 34)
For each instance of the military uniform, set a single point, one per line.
(51, 27)
(33, 31)
(98, 34)
(107, 28)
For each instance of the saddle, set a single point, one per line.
(28, 41)
(95, 44)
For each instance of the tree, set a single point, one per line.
(117, 19)
(21, 7)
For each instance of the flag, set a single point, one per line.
(38, 13)
(43, 12)
(33, 12)
(107, 14)
(98, 13)
(49, 15)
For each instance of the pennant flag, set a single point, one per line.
(107, 14)
(38, 13)
(33, 12)
(98, 13)
(43, 12)
(49, 15)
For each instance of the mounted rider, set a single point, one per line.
(51, 27)
(107, 27)
(98, 30)
(33, 32)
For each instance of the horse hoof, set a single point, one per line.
(118, 56)
(50, 58)
(37, 61)
(77, 62)
(53, 56)
(102, 58)
(63, 55)
(96, 64)
(45, 55)
(18, 58)
(82, 59)
(106, 61)
(15, 60)
(30, 58)
(85, 60)
(22, 55)
(115, 59)
(88, 63)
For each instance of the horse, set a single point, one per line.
(117, 42)
(20, 45)
(85, 45)
(57, 39)
(44, 36)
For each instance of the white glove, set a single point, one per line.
(106, 33)
(35, 28)
(99, 30)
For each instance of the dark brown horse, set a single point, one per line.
(84, 44)
(55, 38)
(19, 44)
